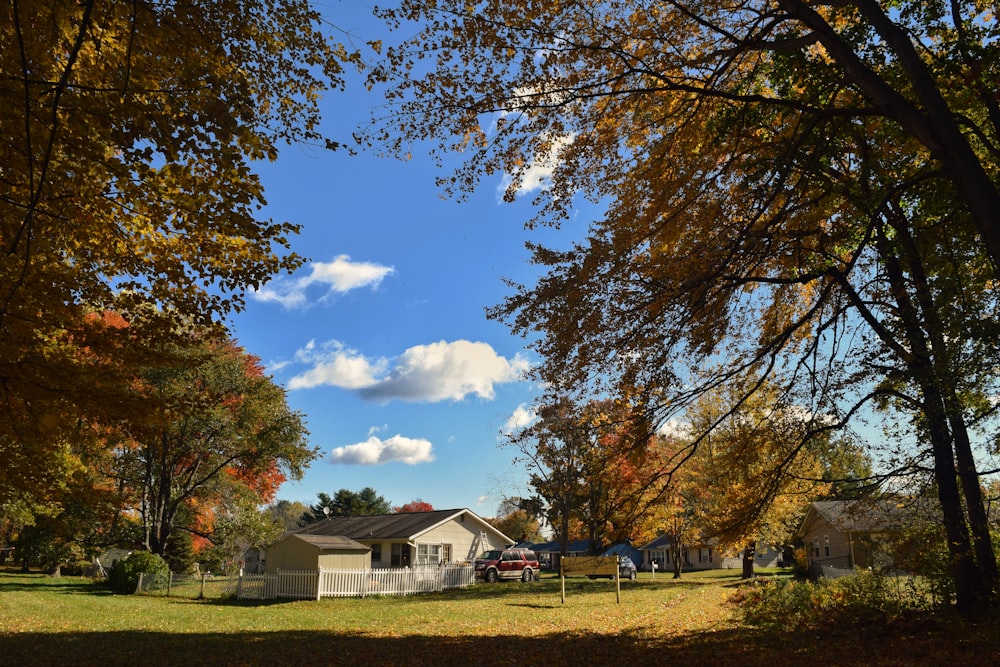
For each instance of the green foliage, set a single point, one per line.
(179, 554)
(124, 575)
(365, 502)
(865, 597)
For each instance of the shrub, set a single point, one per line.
(124, 575)
(865, 597)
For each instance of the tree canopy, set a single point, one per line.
(128, 135)
(345, 502)
(215, 441)
(799, 194)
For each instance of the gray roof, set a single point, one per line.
(861, 516)
(332, 542)
(402, 526)
(661, 542)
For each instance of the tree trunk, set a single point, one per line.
(749, 554)
(973, 586)
(676, 553)
(975, 503)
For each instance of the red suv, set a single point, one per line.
(507, 564)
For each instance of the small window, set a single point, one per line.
(377, 553)
(428, 554)
(826, 544)
(816, 546)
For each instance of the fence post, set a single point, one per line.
(170, 581)
(201, 595)
(319, 582)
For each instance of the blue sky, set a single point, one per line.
(381, 339)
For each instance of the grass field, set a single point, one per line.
(45, 621)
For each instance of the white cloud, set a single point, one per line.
(375, 451)
(539, 173)
(336, 365)
(339, 276)
(673, 428)
(425, 373)
(521, 417)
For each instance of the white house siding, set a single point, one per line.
(827, 546)
(462, 539)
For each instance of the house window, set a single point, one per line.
(428, 554)
(826, 544)
(377, 552)
(816, 546)
(445, 553)
(400, 555)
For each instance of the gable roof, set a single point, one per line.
(661, 542)
(403, 526)
(856, 516)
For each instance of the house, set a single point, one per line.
(411, 538)
(704, 556)
(295, 551)
(764, 556)
(846, 534)
(549, 553)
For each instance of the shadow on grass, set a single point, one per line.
(725, 647)
(68, 585)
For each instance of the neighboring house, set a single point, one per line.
(695, 557)
(625, 550)
(765, 556)
(295, 551)
(412, 538)
(252, 560)
(847, 534)
(549, 552)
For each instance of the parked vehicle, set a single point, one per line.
(507, 564)
(626, 570)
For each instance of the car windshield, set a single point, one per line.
(491, 555)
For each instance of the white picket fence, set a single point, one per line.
(316, 584)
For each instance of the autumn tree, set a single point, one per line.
(417, 505)
(756, 478)
(345, 502)
(128, 135)
(593, 466)
(287, 512)
(215, 427)
(518, 525)
(804, 192)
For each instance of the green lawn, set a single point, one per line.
(68, 621)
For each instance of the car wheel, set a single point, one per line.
(632, 575)
(527, 574)
(491, 576)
